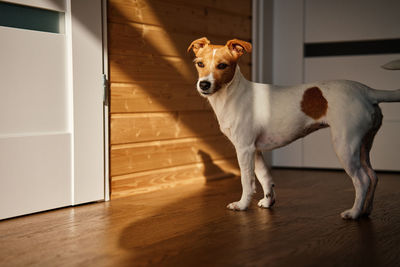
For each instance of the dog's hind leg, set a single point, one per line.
(265, 179)
(348, 149)
(365, 160)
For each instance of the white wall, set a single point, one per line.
(315, 21)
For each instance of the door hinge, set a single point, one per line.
(106, 89)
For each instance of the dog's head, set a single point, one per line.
(216, 64)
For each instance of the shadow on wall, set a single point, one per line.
(211, 170)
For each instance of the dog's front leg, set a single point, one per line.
(246, 163)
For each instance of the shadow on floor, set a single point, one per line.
(303, 229)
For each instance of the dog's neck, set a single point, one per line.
(225, 102)
(231, 89)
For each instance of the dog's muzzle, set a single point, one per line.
(205, 87)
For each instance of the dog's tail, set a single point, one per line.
(392, 65)
(384, 95)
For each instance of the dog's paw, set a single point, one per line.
(350, 214)
(237, 206)
(266, 202)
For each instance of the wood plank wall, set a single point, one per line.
(162, 132)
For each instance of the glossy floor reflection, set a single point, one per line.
(190, 226)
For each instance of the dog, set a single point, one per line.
(257, 117)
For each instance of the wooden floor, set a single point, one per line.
(190, 226)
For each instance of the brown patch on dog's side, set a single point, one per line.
(314, 103)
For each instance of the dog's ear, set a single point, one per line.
(238, 47)
(196, 45)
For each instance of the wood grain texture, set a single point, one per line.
(140, 127)
(148, 181)
(239, 7)
(188, 18)
(138, 39)
(160, 126)
(150, 96)
(141, 68)
(136, 157)
(188, 225)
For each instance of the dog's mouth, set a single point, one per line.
(206, 93)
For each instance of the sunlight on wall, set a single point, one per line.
(162, 132)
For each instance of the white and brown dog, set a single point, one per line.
(257, 117)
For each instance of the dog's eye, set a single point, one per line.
(222, 66)
(200, 64)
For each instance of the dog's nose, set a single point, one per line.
(205, 85)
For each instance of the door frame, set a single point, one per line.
(86, 66)
(106, 111)
(262, 31)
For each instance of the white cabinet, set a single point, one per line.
(317, 149)
(344, 20)
(332, 22)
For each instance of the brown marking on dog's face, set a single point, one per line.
(218, 60)
(217, 63)
(314, 103)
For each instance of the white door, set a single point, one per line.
(51, 115)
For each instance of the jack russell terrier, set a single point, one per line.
(257, 117)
